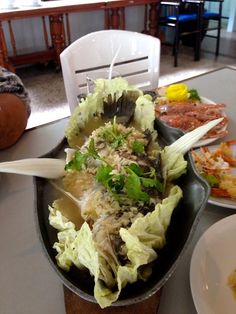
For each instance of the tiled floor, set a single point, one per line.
(46, 89)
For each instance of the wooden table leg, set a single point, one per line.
(57, 35)
(115, 18)
(153, 19)
(4, 61)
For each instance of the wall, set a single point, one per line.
(232, 17)
(213, 7)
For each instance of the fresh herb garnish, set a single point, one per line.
(194, 94)
(136, 169)
(116, 184)
(211, 179)
(92, 150)
(133, 187)
(138, 147)
(78, 162)
(113, 136)
(131, 182)
(103, 174)
(80, 159)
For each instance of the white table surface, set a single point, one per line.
(28, 284)
(219, 86)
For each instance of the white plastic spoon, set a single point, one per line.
(113, 62)
(49, 168)
(186, 142)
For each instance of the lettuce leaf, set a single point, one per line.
(173, 164)
(64, 248)
(57, 220)
(84, 250)
(150, 229)
(92, 105)
(89, 107)
(144, 113)
(145, 235)
(116, 86)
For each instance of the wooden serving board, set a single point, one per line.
(76, 305)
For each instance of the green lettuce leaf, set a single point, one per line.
(89, 107)
(142, 239)
(57, 220)
(85, 251)
(116, 86)
(173, 164)
(150, 229)
(144, 236)
(93, 104)
(144, 114)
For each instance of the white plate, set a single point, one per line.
(222, 201)
(213, 259)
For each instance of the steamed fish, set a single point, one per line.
(124, 183)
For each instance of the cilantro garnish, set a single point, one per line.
(103, 174)
(152, 183)
(80, 159)
(136, 169)
(113, 182)
(116, 184)
(78, 162)
(148, 179)
(113, 136)
(211, 179)
(133, 187)
(92, 150)
(138, 147)
(194, 94)
(132, 182)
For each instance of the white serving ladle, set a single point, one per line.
(48, 168)
(103, 74)
(51, 168)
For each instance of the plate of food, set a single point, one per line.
(183, 108)
(213, 269)
(217, 164)
(118, 222)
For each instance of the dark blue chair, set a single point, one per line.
(216, 16)
(184, 16)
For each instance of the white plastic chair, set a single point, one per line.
(138, 60)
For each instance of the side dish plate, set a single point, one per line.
(222, 201)
(213, 260)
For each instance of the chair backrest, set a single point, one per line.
(138, 60)
(216, 13)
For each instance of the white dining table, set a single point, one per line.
(28, 284)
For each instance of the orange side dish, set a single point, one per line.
(216, 167)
